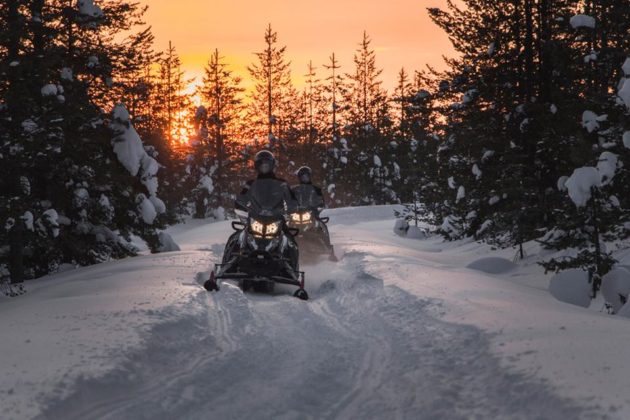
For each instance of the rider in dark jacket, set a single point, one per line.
(272, 194)
(310, 197)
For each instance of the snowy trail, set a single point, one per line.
(357, 349)
(397, 329)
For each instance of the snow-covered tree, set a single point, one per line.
(214, 160)
(72, 200)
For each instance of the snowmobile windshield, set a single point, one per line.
(267, 197)
(307, 197)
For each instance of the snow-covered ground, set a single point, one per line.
(399, 328)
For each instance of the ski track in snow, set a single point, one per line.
(357, 349)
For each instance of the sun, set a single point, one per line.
(183, 130)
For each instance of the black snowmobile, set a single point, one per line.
(313, 239)
(262, 251)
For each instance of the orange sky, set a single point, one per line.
(401, 31)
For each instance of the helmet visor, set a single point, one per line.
(264, 167)
(305, 177)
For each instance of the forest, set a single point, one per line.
(524, 136)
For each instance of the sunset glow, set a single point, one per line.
(401, 30)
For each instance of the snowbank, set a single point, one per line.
(616, 287)
(167, 244)
(571, 286)
(492, 265)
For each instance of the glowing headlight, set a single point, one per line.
(257, 227)
(306, 216)
(261, 229)
(272, 228)
(296, 217)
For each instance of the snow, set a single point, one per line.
(377, 161)
(582, 21)
(149, 173)
(127, 146)
(562, 183)
(28, 220)
(66, 74)
(416, 232)
(219, 213)
(591, 120)
(158, 204)
(81, 197)
(476, 171)
(53, 219)
(487, 155)
(451, 183)
(607, 167)
(395, 329)
(616, 287)
(206, 183)
(624, 94)
(553, 109)
(92, 61)
(626, 67)
(29, 126)
(167, 244)
(88, 8)
(494, 200)
(580, 183)
(492, 265)
(461, 193)
(571, 286)
(146, 208)
(132, 155)
(49, 90)
(590, 57)
(626, 139)
(400, 227)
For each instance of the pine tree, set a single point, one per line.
(273, 98)
(368, 123)
(220, 122)
(70, 194)
(336, 150)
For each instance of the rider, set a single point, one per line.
(310, 197)
(271, 193)
(267, 186)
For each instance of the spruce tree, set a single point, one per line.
(71, 200)
(215, 152)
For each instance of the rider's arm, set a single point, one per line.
(289, 199)
(320, 199)
(243, 198)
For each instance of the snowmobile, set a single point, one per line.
(313, 238)
(260, 254)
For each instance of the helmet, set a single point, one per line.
(264, 162)
(304, 175)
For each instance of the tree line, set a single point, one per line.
(486, 148)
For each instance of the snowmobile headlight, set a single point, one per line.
(296, 217)
(272, 228)
(264, 230)
(257, 227)
(306, 216)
